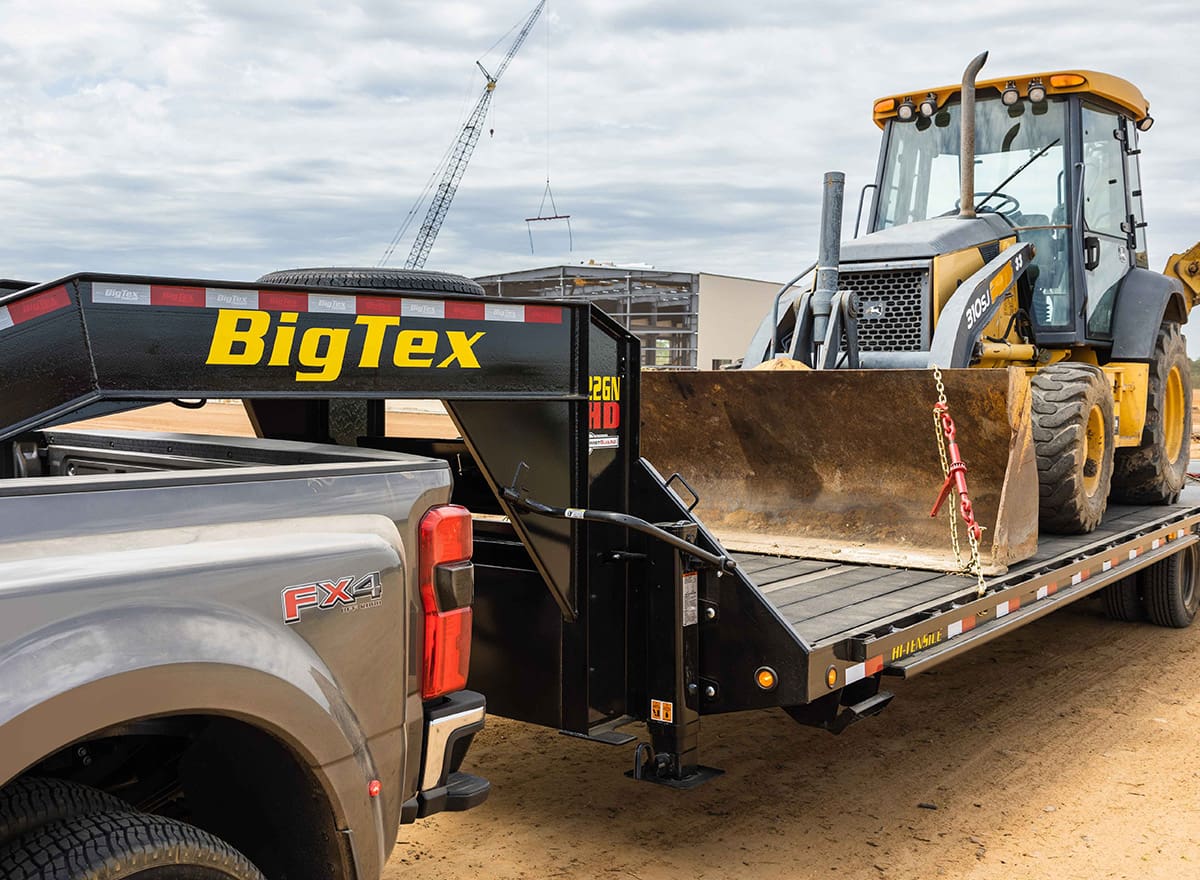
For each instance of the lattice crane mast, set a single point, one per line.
(460, 155)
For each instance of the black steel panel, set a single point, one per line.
(87, 336)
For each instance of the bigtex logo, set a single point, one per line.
(249, 337)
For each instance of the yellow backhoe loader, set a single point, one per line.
(1004, 276)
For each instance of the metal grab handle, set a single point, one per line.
(695, 495)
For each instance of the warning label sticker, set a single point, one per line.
(691, 582)
(661, 710)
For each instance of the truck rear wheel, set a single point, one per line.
(1171, 588)
(123, 846)
(1073, 438)
(1123, 600)
(30, 802)
(416, 280)
(1154, 471)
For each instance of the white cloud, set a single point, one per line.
(230, 138)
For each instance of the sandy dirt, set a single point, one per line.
(1068, 749)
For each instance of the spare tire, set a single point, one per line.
(412, 280)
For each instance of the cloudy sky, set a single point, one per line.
(227, 138)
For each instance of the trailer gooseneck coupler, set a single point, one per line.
(601, 598)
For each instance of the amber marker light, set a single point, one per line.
(1067, 80)
(831, 676)
(765, 678)
(887, 105)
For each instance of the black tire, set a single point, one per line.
(1155, 471)
(1171, 589)
(1073, 438)
(30, 802)
(123, 846)
(1123, 600)
(414, 280)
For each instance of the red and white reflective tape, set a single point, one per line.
(961, 626)
(30, 307)
(1007, 607)
(321, 303)
(1003, 609)
(859, 671)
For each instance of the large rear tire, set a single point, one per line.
(1073, 438)
(123, 846)
(1171, 588)
(1154, 472)
(414, 280)
(1123, 600)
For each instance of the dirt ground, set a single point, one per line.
(1068, 750)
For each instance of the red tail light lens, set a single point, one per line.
(446, 580)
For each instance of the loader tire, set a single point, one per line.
(1073, 438)
(123, 846)
(1123, 600)
(413, 280)
(1154, 472)
(1171, 588)
(30, 802)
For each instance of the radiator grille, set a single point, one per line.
(894, 308)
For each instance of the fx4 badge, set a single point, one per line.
(346, 592)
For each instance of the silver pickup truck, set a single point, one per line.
(237, 658)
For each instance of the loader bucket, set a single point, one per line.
(844, 464)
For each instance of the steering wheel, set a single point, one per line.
(1007, 205)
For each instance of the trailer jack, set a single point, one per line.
(662, 768)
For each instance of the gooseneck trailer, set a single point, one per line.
(601, 597)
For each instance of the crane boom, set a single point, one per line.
(464, 146)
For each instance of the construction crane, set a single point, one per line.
(459, 156)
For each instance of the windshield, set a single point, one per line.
(921, 170)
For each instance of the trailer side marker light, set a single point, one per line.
(765, 678)
(831, 677)
(374, 788)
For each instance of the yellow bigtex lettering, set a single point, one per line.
(238, 338)
(244, 337)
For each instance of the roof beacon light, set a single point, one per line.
(929, 105)
(1037, 91)
(907, 110)
(1010, 95)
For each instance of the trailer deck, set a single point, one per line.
(828, 601)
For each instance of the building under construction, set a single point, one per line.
(685, 320)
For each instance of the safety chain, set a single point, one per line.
(955, 473)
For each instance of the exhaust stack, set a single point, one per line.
(966, 200)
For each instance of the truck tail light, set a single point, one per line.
(447, 580)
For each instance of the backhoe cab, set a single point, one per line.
(1005, 229)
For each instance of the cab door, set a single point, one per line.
(1106, 212)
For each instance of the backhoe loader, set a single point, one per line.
(1003, 279)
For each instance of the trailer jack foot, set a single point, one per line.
(663, 768)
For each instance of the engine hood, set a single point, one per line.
(926, 239)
